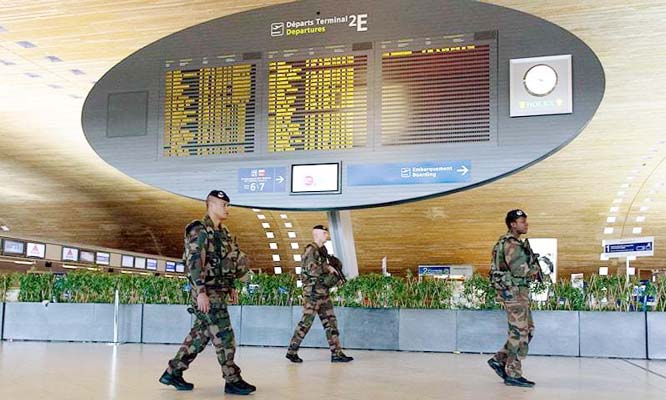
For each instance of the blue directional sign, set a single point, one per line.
(409, 173)
(431, 270)
(262, 180)
(640, 247)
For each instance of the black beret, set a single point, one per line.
(514, 215)
(322, 227)
(219, 194)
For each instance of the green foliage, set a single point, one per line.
(268, 290)
(566, 297)
(602, 293)
(99, 287)
(7, 282)
(36, 287)
(479, 293)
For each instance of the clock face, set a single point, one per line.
(540, 80)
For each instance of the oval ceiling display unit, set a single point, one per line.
(319, 105)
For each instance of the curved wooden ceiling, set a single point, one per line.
(54, 187)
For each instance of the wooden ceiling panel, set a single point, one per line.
(54, 187)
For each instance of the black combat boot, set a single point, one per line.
(340, 358)
(497, 367)
(241, 388)
(176, 381)
(294, 358)
(520, 381)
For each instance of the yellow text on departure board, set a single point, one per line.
(210, 111)
(317, 104)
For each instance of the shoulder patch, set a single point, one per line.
(193, 225)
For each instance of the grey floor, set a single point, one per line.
(38, 370)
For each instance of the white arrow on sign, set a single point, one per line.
(463, 170)
(279, 179)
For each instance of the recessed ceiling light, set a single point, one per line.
(26, 44)
(77, 72)
(54, 86)
(31, 75)
(5, 228)
(53, 59)
(3, 29)
(75, 96)
(7, 62)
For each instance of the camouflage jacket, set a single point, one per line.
(510, 265)
(317, 280)
(212, 256)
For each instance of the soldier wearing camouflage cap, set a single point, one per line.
(318, 276)
(512, 269)
(214, 262)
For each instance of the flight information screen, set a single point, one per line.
(435, 94)
(318, 103)
(210, 111)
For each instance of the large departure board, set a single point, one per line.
(435, 94)
(210, 111)
(318, 103)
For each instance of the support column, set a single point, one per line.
(342, 235)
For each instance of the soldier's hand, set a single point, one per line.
(233, 296)
(203, 302)
(332, 270)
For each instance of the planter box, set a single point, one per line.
(656, 322)
(556, 333)
(481, 331)
(612, 334)
(375, 329)
(265, 326)
(166, 323)
(59, 321)
(129, 323)
(427, 330)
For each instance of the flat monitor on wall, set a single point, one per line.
(70, 254)
(170, 266)
(127, 262)
(13, 248)
(87, 256)
(103, 258)
(315, 178)
(36, 250)
(151, 264)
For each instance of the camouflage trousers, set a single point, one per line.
(516, 302)
(322, 306)
(213, 326)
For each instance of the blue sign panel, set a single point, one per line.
(628, 247)
(409, 173)
(434, 270)
(262, 180)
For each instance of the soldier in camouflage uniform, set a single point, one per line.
(512, 270)
(214, 261)
(318, 278)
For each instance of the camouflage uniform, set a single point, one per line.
(511, 274)
(317, 281)
(214, 261)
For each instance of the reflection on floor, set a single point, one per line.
(35, 370)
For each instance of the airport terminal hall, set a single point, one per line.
(332, 199)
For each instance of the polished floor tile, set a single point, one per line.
(35, 370)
